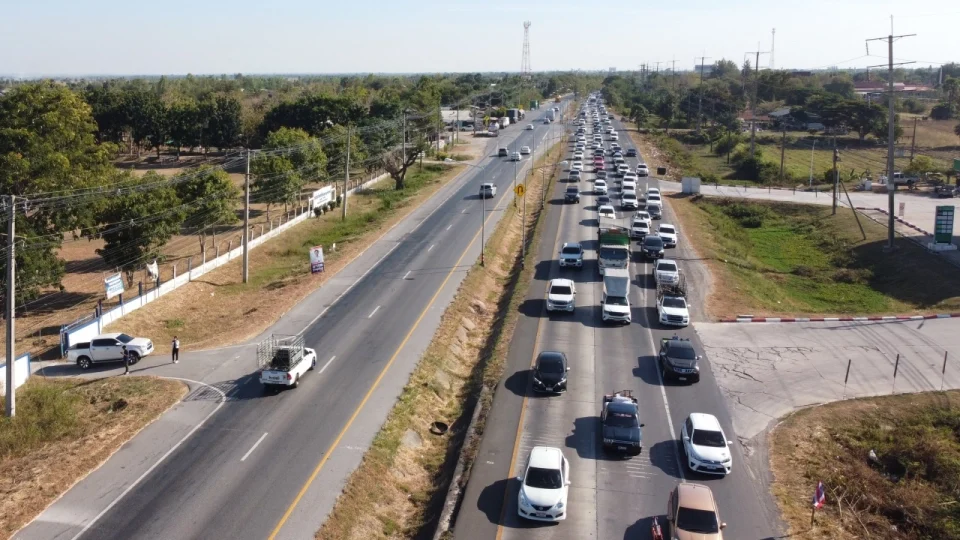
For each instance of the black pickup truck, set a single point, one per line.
(620, 423)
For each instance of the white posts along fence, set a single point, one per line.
(86, 328)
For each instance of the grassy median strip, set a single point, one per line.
(218, 309)
(908, 490)
(781, 259)
(398, 489)
(65, 428)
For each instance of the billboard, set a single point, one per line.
(113, 285)
(316, 259)
(943, 226)
(321, 197)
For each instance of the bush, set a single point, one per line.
(747, 215)
(912, 105)
(726, 144)
(757, 170)
(943, 111)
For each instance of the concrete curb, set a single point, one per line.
(898, 219)
(748, 319)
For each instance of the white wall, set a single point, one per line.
(21, 373)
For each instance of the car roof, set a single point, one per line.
(705, 421)
(486, 184)
(695, 496)
(545, 457)
(667, 225)
(111, 335)
(623, 407)
(572, 244)
(550, 354)
(665, 261)
(679, 344)
(561, 282)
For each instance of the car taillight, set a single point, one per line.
(288, 376)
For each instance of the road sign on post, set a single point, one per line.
(520, 190)
(943, 225)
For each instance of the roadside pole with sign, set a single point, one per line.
(943, 230)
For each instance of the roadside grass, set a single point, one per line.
(220, 309)
(65, 428)
(780, 259)
(910, 491)
(399, 488)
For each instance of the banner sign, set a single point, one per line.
(113, 285)
(322, 197)
(316, 259)
(943, 226)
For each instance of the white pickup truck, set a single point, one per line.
(283, 360)
(108, 348)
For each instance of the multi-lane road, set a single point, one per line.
(271, 466)
(610, 497)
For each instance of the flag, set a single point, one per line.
(820, 496)
(153, 270)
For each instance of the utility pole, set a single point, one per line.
(439, 122)
(246, 221)
(891, 132)
(346, 175)
(812, 152)
(673, 72)
(11, 308)
(658, 67)
(700, 99)
(836, 175)
(783, 149)
(753, 105)
(913, 144)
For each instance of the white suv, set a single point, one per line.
(666, 272)
(544, 485)
(561, 295)
(705, 446)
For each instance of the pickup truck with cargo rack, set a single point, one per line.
(283, 360)
(620, 423)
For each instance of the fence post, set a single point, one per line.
(943, 372)
(174, 272)
(229, 247)
(190, 268)
(846, 378)
(896, 366)
(218, 251)
(204, 260)
(261, 229)
(271, 224)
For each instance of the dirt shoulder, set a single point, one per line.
(400, 486)
(907, 491)
(218, 309)
(64, 429)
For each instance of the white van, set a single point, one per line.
(615, 302)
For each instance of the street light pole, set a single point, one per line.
(483, 224)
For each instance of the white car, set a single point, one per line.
(666, 272)
(705, 446)
(643, 215)
(628, 185)
(653, 191)
(577, 166)
(571, 254)
(544, 485)
(578, 155)
(529, 127)
(629, 177)
(516, 156)
(606, 210)
(614, 136)
(622, 169)
(600, 187)
(668, 233)
(639, 229)
(561, 295)
(628, 200)
(654, 198)
(673, 310)
(525, 150)
(108, 348)
(642, 170)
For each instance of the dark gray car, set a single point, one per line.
(679, 360)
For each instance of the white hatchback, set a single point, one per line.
(544, 485)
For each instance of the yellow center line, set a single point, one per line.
(376, 383)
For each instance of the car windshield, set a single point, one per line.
(673, 302)
(682, 353)
(123, 338)
(619, 419)
(704, 437)
(543, 478)
(629, 196)
(668, 230)
(617, 300)
(639, 224)
(550, 364)
(573, 190)
(666, 267)
(571, 250)
(653, 209)
(653, 242)
(561, 289)
(613, 254)
(697, 521)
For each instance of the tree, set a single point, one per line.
(396, 163)
(290, 158)
(184, 124)
(224, 126)
(882, 128)
(48, 146)
(943, 111)
(863, 117)
(724, 68)
(106, 103)
(335, 146)
(921, 165)
(147, 117)
(209, 197)
(951, 87)
(666, 108)
(639, 115)
(727, 143)
(136, 224)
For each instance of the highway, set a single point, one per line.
(272, 465)
(610, 497)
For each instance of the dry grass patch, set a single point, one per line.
(909, 491)
(66, 428)
(218, 309)
(398, 489)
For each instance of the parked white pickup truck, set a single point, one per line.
(108, 348)
(283, 360)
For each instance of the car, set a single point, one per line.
(605, 210)
(601, 175)
(622, 169)
(603, 200)
(705, 445)
(572, 194)
(631, 152)
(577, 166)
(618, 157)
(666, 271)
(642, 170)
(668, 233)
(106, 348)
(600, 187)
(503, 152)
(672, 308)
(653, 191)
(546, 121)
(525, 150)
(678, 359)
(488, 191)
(550, 372)
(516, 156)
(630, 177)
(616, 146)
(544, 485)
(561, 295)
(595, 145)
(692, 513)
(614, 136)
(620, 427)
(597, 165)
(628, 185)
(639, 229)
(578, 155)
(571, 254)
(654, 198)
(530, 127)
(652, 247)
(628, 200)
(574, 175)
(642, 215)
(655, 209)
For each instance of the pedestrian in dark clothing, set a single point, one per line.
(175, 350)
(126, 361)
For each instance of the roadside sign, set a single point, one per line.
(520, 190)
(321, 197)
(316, 259)
(956, 164)
(943, 226)
(903, 207)
(113, 285)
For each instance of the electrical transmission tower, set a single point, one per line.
(525, 70)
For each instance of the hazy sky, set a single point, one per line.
(72, 37)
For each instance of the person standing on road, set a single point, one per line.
(126, 361)
(175, 350)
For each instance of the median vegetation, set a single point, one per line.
(890, 466)
(64, 429)
(777, 259)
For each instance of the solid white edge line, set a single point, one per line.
(448, 226)
(372, 313)
(407, 274)
(254, 447)
(330, 361)
(136, 482)
(431, 247)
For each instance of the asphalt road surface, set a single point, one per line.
(260, 467)
(610, 497)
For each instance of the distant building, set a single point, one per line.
(707, 69)
(878, 88)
